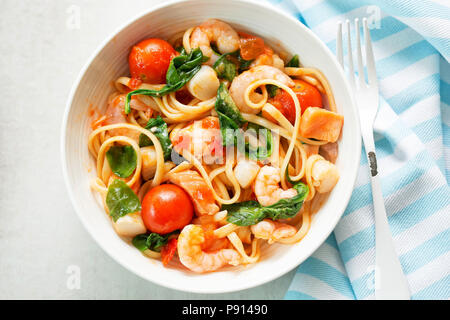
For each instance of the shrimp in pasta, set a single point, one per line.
(218, 32)
(194, 258)
(240, 85)
(267, 189)
(272, 230)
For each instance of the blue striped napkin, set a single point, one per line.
(412, 134)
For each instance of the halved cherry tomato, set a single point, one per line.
(251, 46)
(150, 59)
(166, 208)
(307, 95)
(168, 251)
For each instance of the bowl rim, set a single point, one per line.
(276, 274)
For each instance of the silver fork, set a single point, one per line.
(390, 281)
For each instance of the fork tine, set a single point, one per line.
(359, 54)
(339, 45)
(350, 54)
(370, 60)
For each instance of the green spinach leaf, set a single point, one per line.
(152, 241)
(225, 68)
(122, 160)
(231, 120)
(181, 69)
(140, 242)
(230, 117)
(251, 212)
(180, 49)
(225, 105)
(159, 128)
(230, 64)
(294, 62)
(243, 64)
(260, 152)
(272, 90)
(121, 200)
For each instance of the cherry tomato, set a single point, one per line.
(168, 251)
(284, 103)
(307, 95)
(150, 59)
(166, 208)
(251, 46)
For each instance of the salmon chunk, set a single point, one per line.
(321, 124)
(201, 195)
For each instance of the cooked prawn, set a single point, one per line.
(115, 114)
(115, 110)
(272, 230)
(265, 59)
(267, 189)
(192, 256)
(268, 58)
(218, 32)
(241, 82)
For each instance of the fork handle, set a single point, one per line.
(390, 281)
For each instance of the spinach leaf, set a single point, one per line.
(181, 69)
(152, 241)
(245, 213)
(230, 64)
(180, 49)
(214, 48)
(294, 62)
(243, 64)
(251, 212)
(225, 105)
(159, 128)
(122, 160)
(121, 200)
(272, 90)
(230, 118)
(140, 242)
(260, 152)
(225, 68)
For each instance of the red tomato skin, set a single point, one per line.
(150, 59)
(168, 251)
(284, 103)
(166, 208)
(307, 94)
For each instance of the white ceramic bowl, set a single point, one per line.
(110, 61)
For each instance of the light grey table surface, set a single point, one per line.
(41, 53)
